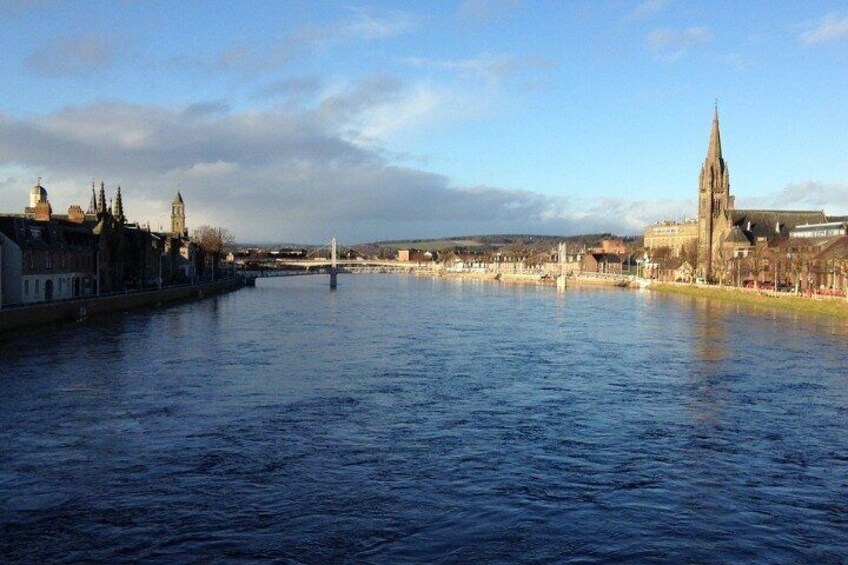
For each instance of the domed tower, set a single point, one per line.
(178, 221)
(37, 195)
(39, 206)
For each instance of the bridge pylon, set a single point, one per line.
(560, 280)
(334, 271)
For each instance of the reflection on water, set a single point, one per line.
(402, 419)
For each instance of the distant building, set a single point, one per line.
(610, 263)
(828, 229)
(613, 246)
(178, 218)
(403, 255)
(676, 236)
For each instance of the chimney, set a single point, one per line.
(75, 214)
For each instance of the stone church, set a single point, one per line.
(724, 230)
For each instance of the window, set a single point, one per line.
(48, 260)
(37, 287)
(26, 288)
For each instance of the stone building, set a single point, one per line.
(723, 229)
(46, 256)
(609, 263)
(676, 236)
(178, 219)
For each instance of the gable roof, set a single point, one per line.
(763, 222)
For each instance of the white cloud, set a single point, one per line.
(217, 168)
(832, 197)
(73, 57)
(673, 44)
(492, 68)
(269, 176)
(832, 27)
(485, 10)
(363, 26)
(649, 8)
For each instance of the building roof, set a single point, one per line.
(34, 235)
(837, 250)
(764, 223)
(178, 199)
(608, 257)
(737, 237)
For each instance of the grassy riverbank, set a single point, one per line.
(827, 307)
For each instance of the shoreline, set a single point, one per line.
(44, 314)
(534, 279)
(760, 299)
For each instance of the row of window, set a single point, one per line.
(66, 260)
(65, 285)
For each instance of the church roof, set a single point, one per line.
(737, 236)
(764, 223)
(178, 199)
(836, 250)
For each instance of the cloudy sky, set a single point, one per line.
(294, 121)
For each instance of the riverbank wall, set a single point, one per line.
(20, 318)
(830, 306)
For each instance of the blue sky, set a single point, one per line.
(299, 120)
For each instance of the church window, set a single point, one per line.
(26, 288)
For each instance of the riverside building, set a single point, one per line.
(46, 256)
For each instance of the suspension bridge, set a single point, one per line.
(315, 263)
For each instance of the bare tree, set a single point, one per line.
(797, 264)
(721, 266)
(689, 253)
(213, 241)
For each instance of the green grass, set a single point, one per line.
(828, 307)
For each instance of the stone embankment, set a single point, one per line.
(20, 318)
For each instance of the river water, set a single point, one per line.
(401, 419)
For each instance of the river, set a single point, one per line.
(404, 419)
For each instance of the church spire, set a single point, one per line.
(101, 202)
(714, 151)
(118, 207)
(92, 206)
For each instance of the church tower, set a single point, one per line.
(713, 200)
(178, 223)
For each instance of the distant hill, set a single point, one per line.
(482, 244)
(497, 240)
(490, 243)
